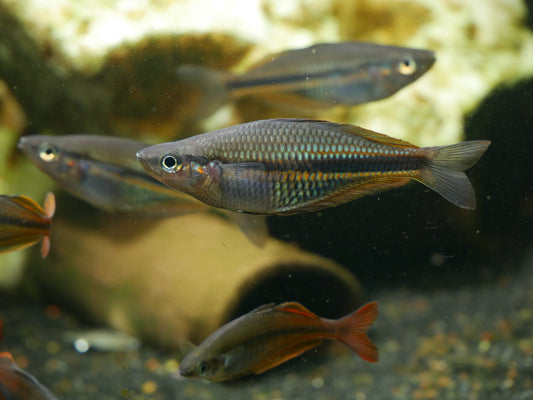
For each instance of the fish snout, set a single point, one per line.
(143, 159)
(23, 143)
(140, 155)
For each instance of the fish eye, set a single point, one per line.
(407, 65)
(201, 369)
(47, 152)
(171, 163)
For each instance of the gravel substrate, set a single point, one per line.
(473, 341)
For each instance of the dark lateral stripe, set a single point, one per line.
(122, 172)
(359, 164)
(23, 223)
(290, 79)
(298, 330)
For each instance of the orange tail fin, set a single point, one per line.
(353, 329)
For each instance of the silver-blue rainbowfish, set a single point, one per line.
(319, 76)
(285, 166)
(103, 171)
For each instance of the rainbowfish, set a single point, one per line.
(273, 334)
(103, 171)
(285, 166)
(17, 384)
(23, 222)
(318, 76)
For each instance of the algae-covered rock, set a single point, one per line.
(182, 277)
(101, 65)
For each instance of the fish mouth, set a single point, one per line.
(143, 159)
(30, 143)
(139, 155)
(22, 143)
(28, 146)
(186, 372)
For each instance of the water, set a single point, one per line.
(454, 285)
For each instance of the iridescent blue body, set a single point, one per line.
(288, 165)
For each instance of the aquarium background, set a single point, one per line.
(455, 286)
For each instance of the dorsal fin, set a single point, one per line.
(296, 308)
(263, 308)
(354, 130)
(8, 355)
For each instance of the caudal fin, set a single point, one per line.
(208, 84)
(353, 330)
(444, 173)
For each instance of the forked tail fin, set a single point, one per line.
(209, 84)
(353, 328)
(444, 173)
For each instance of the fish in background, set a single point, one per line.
(17, 384)
(104, 172)
(315, 77)
(273, 334)
(23, 222)
(285, 166)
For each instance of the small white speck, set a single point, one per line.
(81, 345)
(317, 382)
(360, 396)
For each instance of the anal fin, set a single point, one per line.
(351, 193)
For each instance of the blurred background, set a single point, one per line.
(454, 285)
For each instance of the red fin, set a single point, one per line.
(296, 308)
(49, 205)
(8, 355)
(353, 329)
(45, 246)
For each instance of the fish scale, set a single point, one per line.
(270, 335)
(285, 166)
(323, 151)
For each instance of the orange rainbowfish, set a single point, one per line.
(17, 384)
(23, 222)
(272, 334)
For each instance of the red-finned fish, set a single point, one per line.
(272, 334)
(23, 222)
(17, 384)
(285, 166)
(318, 76)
